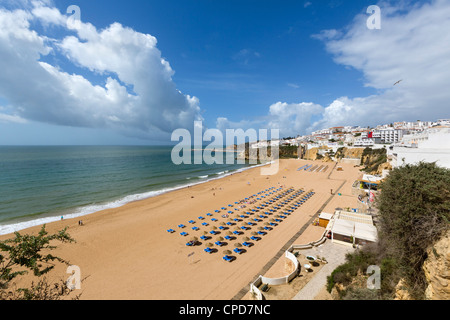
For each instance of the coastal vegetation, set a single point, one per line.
(414, 209)
(25, 253)
(371, 159)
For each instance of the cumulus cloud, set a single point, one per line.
(293, 118)
(290, 119)
(412, 46)
(137, 98)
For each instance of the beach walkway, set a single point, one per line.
(288, 244)
(335, 255)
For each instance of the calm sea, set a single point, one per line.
(40, 184)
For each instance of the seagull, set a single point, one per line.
(398, 82)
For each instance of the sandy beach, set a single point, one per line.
(127, 253)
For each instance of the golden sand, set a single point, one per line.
(127, 253)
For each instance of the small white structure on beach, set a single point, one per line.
(352, 228)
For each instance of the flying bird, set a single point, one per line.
(398, 82)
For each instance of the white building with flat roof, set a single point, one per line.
(361, 142)
(431, 145)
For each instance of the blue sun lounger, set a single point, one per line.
(209, 250)
(227, 258)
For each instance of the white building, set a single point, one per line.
(389, 135)
(363, 142)
(431, 145)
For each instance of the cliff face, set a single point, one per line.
(437, 270)
(437, 273)
(313, 154)
(353, 153)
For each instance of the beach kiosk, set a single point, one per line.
(342, 231)
(353, 228)
(365, 233)
(324, 219)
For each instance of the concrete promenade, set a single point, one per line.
(335, 255)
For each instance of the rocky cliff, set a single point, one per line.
(437, 270)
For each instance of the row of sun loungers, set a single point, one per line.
(286, 201)
(313, 168)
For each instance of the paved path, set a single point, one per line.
(283, 249)
(335, 255)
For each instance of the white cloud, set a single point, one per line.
(290, 119)
(293, 118)
(412, 46)
(138, 96)
(11, 118)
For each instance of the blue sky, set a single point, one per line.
(293, 65)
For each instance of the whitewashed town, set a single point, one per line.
(406, 142)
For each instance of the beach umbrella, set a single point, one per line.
(246, 239)
(260, 228)
(254, 233)
(194, 239)
(229, 233)
(209, 244)
(219, 239)
(238, 245)
(227, 252)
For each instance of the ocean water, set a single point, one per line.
(40, 184)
